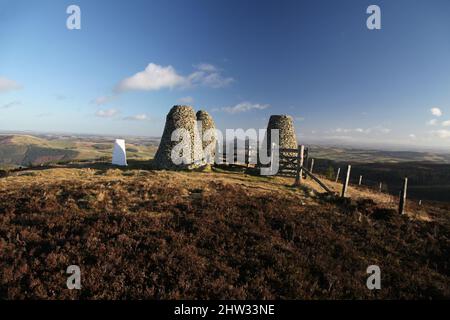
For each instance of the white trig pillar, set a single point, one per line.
(119, 157)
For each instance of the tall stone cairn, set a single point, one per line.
(285, 125)
(208, 138)
(179, 117)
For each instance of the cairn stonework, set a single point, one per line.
(285, 125)
(208, 135)
(180, 117)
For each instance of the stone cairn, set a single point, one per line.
(285, 125)
(208, 135)
(180, 117)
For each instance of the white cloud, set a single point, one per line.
(412, 136)
(339, 137)
(8, 85)
(206, 67)
(244, 107)
(156, 77)
(432, 122)
(436, 112)
(373, 130)
(103, 100)
(107, 113)
(357, 130)
(444, 134)
(208, 79)
(446, 123)
(186, 100)
(138, 117)
(11, 105)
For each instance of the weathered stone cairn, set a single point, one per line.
(285, 125)
(208, 135)
(180, 117)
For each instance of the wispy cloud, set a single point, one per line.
(107, 113)
(444, 134)
(7, 85)
(372, 130)
(209, 76)
(11, 105)
(436, 112)
(432, 122)
(156, 77)
(243, 107)
(99, 101)
(206, 67)
(446, 123)
(186, 100)
(138, 117)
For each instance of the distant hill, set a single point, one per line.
(18, 150)
(22, 140)
(429, 173)
(360, 155)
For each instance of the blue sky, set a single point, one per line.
(241, 60)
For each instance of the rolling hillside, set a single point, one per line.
(26, 150)
(429, 173)
(358, 155)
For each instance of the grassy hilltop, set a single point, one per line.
(141, 233)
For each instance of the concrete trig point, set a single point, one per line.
(119, 157)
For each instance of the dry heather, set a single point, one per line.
(170, 235)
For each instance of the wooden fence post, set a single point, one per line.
(337, 174)
(299, 173)
(401, 206)
(360, 180)
(347, 178)
(312, 166)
